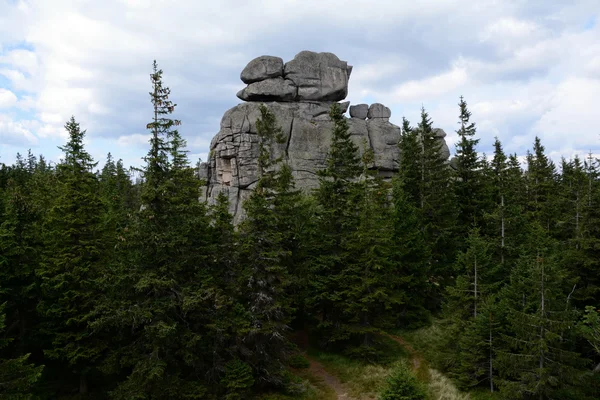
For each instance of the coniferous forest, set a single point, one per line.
(120, 288)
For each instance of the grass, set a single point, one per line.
(442, 388)
(316, 389)
(363, 380)
(366, 380)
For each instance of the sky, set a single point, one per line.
(525, 67)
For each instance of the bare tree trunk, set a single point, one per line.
(543, 312)
(83, 384)
(502, 231)
(491, 358)
(475, 306)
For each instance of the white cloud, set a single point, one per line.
(136, 139)
(512, 60)
(7, 98)
(568, 121)
(15, 132)
(430, 88)
(24, 60)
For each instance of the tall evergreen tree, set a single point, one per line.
(437, 200)
(411, 254)
(71, 263)
(539, 360)
(156, 315)
(372, 288)
(337, 198)
(467, 185)
(263, 256)
(410, 169)
(541, 187)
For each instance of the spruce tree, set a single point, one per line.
(410, 253)
(372, 288)
(410, 169)
(541, 187)
(470, 325)
(17, 375)
(337, 198)
(262, 254)
(71, 262)
(539, 360)
(467, 184)
(153, 307)
(437, 201)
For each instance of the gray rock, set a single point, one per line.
(261, 68)
(320, 80)
(318, 76)
(445, 149)
(359, 111)
(273, 89)
(378, 110)
(439, 132)
(384, 137)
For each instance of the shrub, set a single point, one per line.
(238, 379)
(298, 361)
(402, 385)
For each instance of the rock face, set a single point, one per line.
(300, 94)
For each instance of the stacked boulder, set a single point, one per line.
(300, 94)
(308, 77)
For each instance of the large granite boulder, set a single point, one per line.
(359, 111)
(300, 98)
(318, 76)
(273, 89)
(309, 76)
(378, 110)
(261, 68)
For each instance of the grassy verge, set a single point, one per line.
(317, 389)
(363, 380)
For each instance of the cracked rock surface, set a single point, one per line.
(300, 98)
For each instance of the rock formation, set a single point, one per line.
(299, 93)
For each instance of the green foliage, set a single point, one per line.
(71, 262)
(467, 185)
(437, 201)
(337, 197)
(402, 385)
(298, 361)
(539, 359)
(17, 375)
(238, 380)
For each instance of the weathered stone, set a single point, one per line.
(359, 111)
(378, 110)
(261, 68)
(439, 132)
(318, 76)
(274, 89)
(384, 137)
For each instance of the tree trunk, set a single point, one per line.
(502, 230)
(475, 305)
(83, 384)
(491, 358)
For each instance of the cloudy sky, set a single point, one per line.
(526, 67)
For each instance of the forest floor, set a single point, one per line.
(317, 369)
(332, 376)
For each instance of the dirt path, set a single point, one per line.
(316, 369)
(415, 357)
